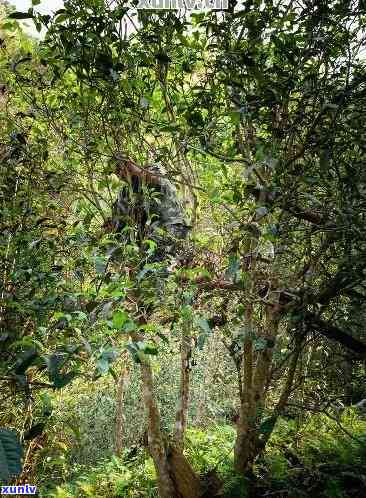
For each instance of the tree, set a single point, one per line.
(256, 115)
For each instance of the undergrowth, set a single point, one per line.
(319, 458)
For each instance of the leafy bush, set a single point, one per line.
(299, 459)
(112, 479)
(322, 457)
(205, 449)
(322, 439)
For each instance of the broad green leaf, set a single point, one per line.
(100, 265)
(25, 360)
(119, 319)
(267, 425)
(260, 344)
(20, 15)
(102, 365)
(129, 326)
(62, 380)
(10, 455)
(201, 340)
(149, 348)
(233, 269)
(80, 315)
(235, 117)
(203, 324)
(134, 350)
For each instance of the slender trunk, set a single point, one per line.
(264, 360)
(182, 409)
(204, 385)
(286, 392)
(245, 427)
(176, 478)
(155, 437)
(120, 418)
(240, 382)
(248, 444)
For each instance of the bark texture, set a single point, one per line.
(255, 371)
(186, 481)
(156, 441)
(286, 391)
(246, 427)
(176, 478)
(183, 400)
(120, 418)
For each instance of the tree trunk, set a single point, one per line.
(248, 443)
(186, 481)
(286, 391)
(182, 409)
(156, 441)
(246, 426)
(176, 478)
(119, 427)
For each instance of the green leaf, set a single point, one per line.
(100, 265)
(260, 344)
(8, 26)
(80, 315)
(34, 431)
(62, 380)
(55, 362)
(234, 268)
(163, 337)
(36, 2)
(203, 324)
(61, 17)
(119, 319)
(25, 360)
(148, 348)
(129, 326)
(235, 117)
(134, 350)
(267, 425)
(201, 340)
(47, 407)
(10, 455)
(20, 15)
(105, 360)
(102, 366)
